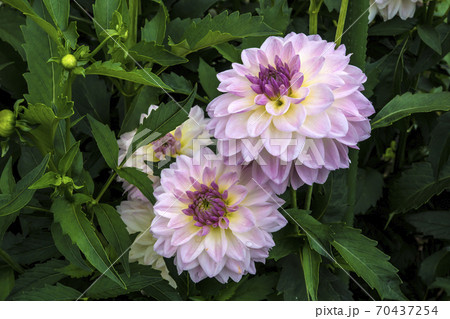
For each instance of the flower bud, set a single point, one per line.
(7, 123)
(69, 62)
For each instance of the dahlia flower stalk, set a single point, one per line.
(213, 218)
(182, 140)
(291, 110)
(389, 8)
(137, 216)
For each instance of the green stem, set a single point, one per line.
(7, 258)
(355, 39)
(314, 8)
(430, 12)
(308, 197)
(132, 28)
(105, 187)
(97, 49)
(341, 22)
(294, 198)
(38, 209)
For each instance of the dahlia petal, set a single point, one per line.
(258, 121)
(182, 235)
(236, 125)
(319, 99)
(216, 244)
(242, 220)
(316, 126)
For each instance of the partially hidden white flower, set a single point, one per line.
(389, 8)
(138, 216)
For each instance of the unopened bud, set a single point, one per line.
(7, 123)
(69, 62)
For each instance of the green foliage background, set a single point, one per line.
(385, 221)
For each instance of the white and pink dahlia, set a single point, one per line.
(389, 8)
(214, 219)
(293, 107)
(137, 216)
(190, 135)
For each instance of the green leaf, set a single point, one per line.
(49, 179)
(292, 281)
(155, 29)
(6, 280)
(65, 246)
(155, 53)
(106, 141)
(435, 265)
(407, 104)
(163, 120)
(75, 224)
(138, 179)
(229, 52)
(59, 11)
(7, 181)
(39, 276)
(443, 283)
(178, 83)
(66, 161)
(10, 22)
(286, 241)
(49, 293)
(416, 186)
(317, 233)
(367, 261)
(276, 14)
(162, 291)
(311, 263)
(440, 144)
(140, 76)
(24, 6)
(71, 35)
(114, 230)
(191, 8)
(5, 222)
(222, 28)
(141, 277)
(369, 190)
(103, 14)
(391, 27)
(432, 223)
(74, 271)
(431, 37)
(37, 247)
(256, 288)
(22, 195)
(208, 79)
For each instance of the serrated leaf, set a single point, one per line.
(369, 190)
(138, 179)
(38, 246)
(416, 186)
(39, 276)
(222, 28)
(276, 14)
(22, 195)
(440, 144)
(75, 224)
(155, 29)
(208, 79)
(292, 281)
(178, 83)
(407, 104)
(155, 53)
(46, 123)
(367, 261)
(74, 271)
(162, 291)
(59, 11)
(141, 277)
(65, 246)
(229, 52)
(140, 76)
(103, 14)
(432, 223)
(191, 8)
(431, 37)
(256, 288)
(49, 293)
(7, 181)
(311, 262)
(106, 141)
(114, 230)
(318, 234)
(10, 22)
(286, 241)
(49, 179)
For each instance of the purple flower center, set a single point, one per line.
(273, 81)
(208, 207)
(168, 145)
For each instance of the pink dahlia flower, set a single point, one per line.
(184, 139)
(216, 221)
(389, 8)
(293, 108)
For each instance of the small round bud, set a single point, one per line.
(69, 62)
(7, 123)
